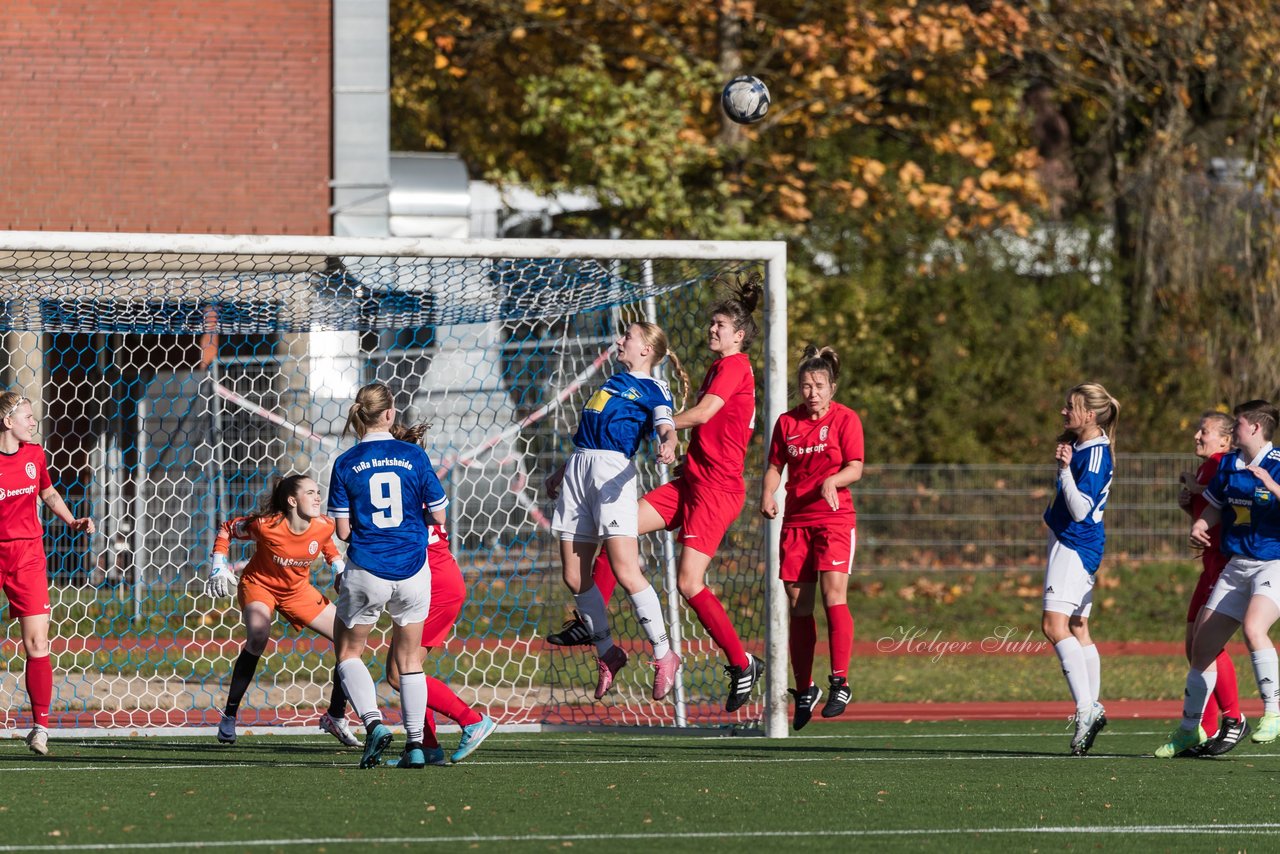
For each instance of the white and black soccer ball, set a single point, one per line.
(745, 99)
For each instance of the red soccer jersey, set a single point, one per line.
(813, 451)
(717, 454)
(24, 474)
(1204, 475)
(281, 555)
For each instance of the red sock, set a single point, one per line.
(840, 632)
(429, 740)
(802, 638)
(602, 575)
(40, 688)
(1209, 720)
(440, 698)
(1226, 691)
(713, 618)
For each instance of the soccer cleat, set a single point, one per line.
(337, 727)
(1098, 722)
(741, 681)
(805, 701)
(1085, 721)
(664, 674)
(412, 757)
(1180, 740)
(435, 756)
(609, 664)
(227, 729)
(1267, 730)
(838, 698)
(38, 741)
(376, 740)
(1230, 733)
(473, 735)
(573, 633)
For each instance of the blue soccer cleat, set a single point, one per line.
(472, 736)
(377, 740)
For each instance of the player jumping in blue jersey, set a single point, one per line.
(597, 500)
(383, 494)
(1244, 496)
(1076, 538)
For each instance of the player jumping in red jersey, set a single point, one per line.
(448, 594)
(24, 477)
(820, 445)
(708, 495)
(290, 534)
(1213, 439)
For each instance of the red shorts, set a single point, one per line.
(806, 551)
(448, 592)
(1214, 561)
(703, 514)
(298, 603)
(24, 577)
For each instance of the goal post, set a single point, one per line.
(176, 376)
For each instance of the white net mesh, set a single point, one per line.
(173, 387)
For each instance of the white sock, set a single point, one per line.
(413, 705)
(591, 609)
(358, 684)
(1199, 687)
(1071, 654)
(1093, 667)
(649, 615)
(1267, 672)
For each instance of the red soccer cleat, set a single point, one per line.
(664, 674)
(609, 663)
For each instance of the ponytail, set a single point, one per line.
(371, 401)
(814, 360)
(739, 305)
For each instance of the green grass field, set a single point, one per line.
(932, 786)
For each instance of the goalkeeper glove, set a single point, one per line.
(338, 567)
(222, 581)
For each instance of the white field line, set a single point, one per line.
(219, 767)
(1260, 829)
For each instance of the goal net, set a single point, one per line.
(175, 377)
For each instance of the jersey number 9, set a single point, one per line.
(384, 495)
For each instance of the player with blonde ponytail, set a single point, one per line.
(1076, 539)
(383, 496)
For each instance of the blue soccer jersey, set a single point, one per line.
(626, 409)
(1250, 513)
(1092, 468)
(382, 486)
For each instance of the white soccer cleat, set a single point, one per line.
(38, 741)
(227, 730)
(338, 728)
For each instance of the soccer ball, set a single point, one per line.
(745, 99)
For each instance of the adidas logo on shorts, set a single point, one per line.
(1048, 590)
(613, 524)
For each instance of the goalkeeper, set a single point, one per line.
(290, 533)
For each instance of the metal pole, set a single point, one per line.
(669, 564)
(215, 440)
(140, 512)
(775, 403)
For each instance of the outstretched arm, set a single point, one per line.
(700, 413)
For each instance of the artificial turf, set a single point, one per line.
(941, 786)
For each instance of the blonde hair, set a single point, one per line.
(9, 403)
(371, 401)
(1222, 422)
(1096, 399)
(656, 340)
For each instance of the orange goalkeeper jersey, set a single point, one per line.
(281, 556)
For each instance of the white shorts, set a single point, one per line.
(364, 596)
(1242, 579)
(597, 498)
(1068, 586)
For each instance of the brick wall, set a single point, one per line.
(165, 115)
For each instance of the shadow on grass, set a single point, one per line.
(159, 752)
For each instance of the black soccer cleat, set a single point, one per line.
(838, 698)
(741, 681)
(573, 633)
(1231, 733)
(805, 702)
